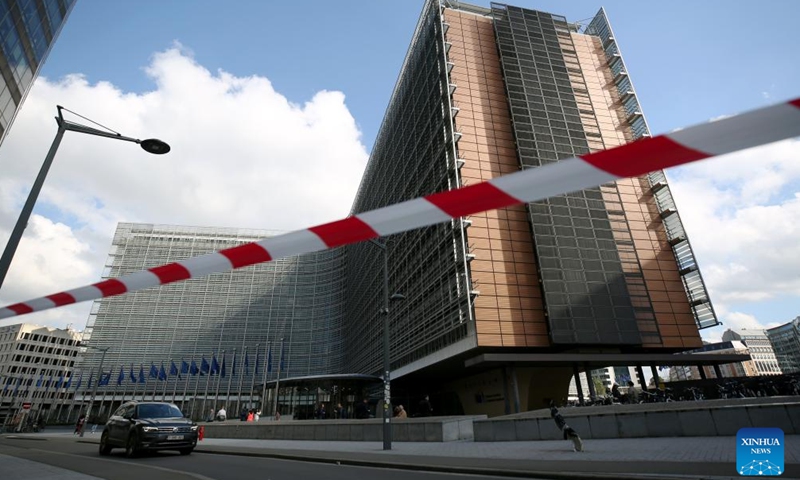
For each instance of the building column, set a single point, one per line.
(590, 381)
(640, 373)
(654, 371)
(702, 372)
(511, 372)
(577, 374)
(717, 371)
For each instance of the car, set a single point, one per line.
(140, 426)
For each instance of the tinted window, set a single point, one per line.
(157, 410)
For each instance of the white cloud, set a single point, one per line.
(242, 156)
(742, 214)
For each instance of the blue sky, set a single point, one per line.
(305, 85)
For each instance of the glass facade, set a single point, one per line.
(414, 155)
(28, 28)
(298, 299)
(785, 340)
(481, 93)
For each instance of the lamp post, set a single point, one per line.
(150, 145)
(387, 387)
(94, 388)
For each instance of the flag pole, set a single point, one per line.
(175, 383)
(230, 379)
(208, 382)
(245, 364)
(219, 379)
(277, 382)
(166, 380)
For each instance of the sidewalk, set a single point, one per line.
(688, 457)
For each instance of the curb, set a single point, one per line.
(549, 475)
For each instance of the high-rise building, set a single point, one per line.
(28, 29)
(759, 347)
(785, 341)
(36, 364)
(488, 91)
(500, 309)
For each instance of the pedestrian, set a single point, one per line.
(338, 412)
(321, 413)
(633, 393)
(257, 415)
(362, 410)
(79, 425)
(400, 412)
(425, 407)
(243, 414)
(222, 415)
(210, 416)
(568, 432)
(250, 415)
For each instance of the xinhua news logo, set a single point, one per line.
(759, 451)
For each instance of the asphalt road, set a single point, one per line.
(84, 458)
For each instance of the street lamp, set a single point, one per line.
(150, 145)
(387, 387)
(94, 388)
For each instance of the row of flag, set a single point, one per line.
(186, 368)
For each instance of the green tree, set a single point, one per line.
(599, 387)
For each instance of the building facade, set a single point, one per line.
(28, 29)
(746, 368)
(36, 368)
(500, 309)
(290, 308)
(759, 347)
(785, 341)
(485, 92)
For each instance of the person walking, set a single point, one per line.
(257, 415)
(222, 415)
(400, 412)
(425, 407)
(250, 416)
(79, 424)
(362, 410)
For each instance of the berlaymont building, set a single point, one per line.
(500, 309)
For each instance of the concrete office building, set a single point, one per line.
(36, 364)
(759, 347)
(502, 308)
(785, 341)
(28, 29)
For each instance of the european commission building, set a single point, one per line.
(500, 309)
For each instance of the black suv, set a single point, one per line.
(138, 426)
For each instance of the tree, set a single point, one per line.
(599, 387)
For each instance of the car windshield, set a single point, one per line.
(157, 410)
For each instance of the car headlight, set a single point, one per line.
(149, 429)
(194, 428)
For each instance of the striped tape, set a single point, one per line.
(747, 130)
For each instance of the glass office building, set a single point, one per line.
(28, 29)
(502, 308)
(291, 305)
(785, 340)
(485, 92)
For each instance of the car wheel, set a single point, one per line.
(105, 448)
(132, 446)
(186, 451)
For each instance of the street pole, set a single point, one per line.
(22, 221)
(151, 145)
(94, 388)
(387, 387)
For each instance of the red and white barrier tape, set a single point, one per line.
(750, 129)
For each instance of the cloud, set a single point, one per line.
(742, 215)
(242, 156)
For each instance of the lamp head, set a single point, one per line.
(397, 296)
(155, 146)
